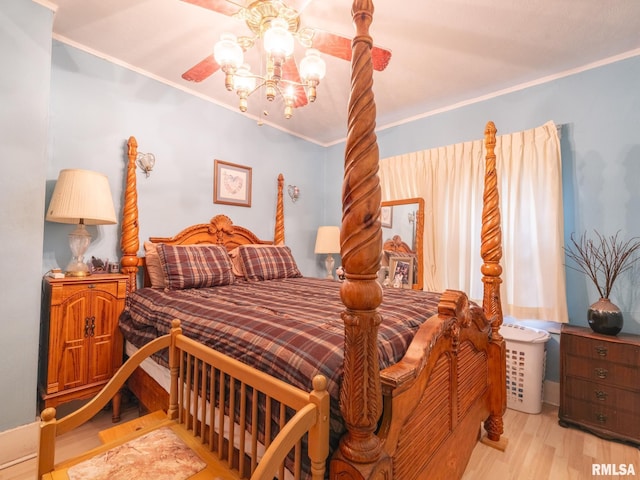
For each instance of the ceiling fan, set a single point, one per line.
(258, 15)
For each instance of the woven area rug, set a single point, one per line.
(159, 455)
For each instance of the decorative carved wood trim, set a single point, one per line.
(220, 231)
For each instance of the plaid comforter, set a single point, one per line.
(288, 328)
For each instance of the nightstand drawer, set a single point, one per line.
(603, 371)
(63, 288)
(600, 395)
(602, 350)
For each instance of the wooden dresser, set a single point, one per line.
(80, 342)
(600, 383)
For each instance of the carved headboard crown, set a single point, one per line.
(220, 231)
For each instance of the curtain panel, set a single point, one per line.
(451, 180)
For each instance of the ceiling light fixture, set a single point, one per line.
(276, 25)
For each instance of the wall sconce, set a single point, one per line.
(146, 161)
(294, 192)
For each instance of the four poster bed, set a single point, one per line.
(412, 376)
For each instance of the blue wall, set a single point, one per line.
(25, 53)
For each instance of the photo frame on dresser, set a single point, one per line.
(401, 271)
(231, 184)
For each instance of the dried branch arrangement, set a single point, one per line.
(602, 259)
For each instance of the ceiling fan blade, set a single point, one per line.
(202, 70)
(290, 72)
(221, 6)
(340, 47)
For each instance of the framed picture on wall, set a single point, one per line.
(401, 272)
(386, 216)
(231, 184)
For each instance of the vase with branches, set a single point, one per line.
(603, 259)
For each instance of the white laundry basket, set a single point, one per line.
(526, 360)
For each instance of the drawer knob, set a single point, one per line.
(602, 351)
(601, 372)
(601, 417)
(600, 395)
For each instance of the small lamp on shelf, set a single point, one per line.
(328, 241)
(81, 197)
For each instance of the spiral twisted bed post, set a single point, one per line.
(278, 236)
(129, 242)
(360, 454)
(491, 251)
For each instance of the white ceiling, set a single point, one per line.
(444, 52)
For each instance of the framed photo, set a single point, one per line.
(231, 184)
(386, 216)
(401, 272)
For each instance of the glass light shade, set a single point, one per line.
(289, 94)
(244, 81)
(146, 162)
(278, 39)
(227, 52)
(312, 66)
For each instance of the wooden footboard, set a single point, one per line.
(242, 420)
(438, 393)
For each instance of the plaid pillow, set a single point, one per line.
(154, 267)
(268, 262)
(195, 266)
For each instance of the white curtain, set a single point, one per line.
(451, 181)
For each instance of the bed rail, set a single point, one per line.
(255, 425)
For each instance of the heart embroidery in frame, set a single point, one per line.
(232, 183)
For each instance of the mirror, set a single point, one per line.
(402, 233)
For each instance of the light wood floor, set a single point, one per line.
(538, 449)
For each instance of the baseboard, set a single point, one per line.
(551, 393)
(18, 444)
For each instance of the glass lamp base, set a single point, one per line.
(329, 263)
(79, 241)
(77, 268)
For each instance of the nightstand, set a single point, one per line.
(80, 342)
(600, 383)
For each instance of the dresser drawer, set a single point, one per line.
(601, 350)
(600, 395)
(601, 417)
(603, 371)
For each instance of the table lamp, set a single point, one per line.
(84, 198)
(328, 241)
